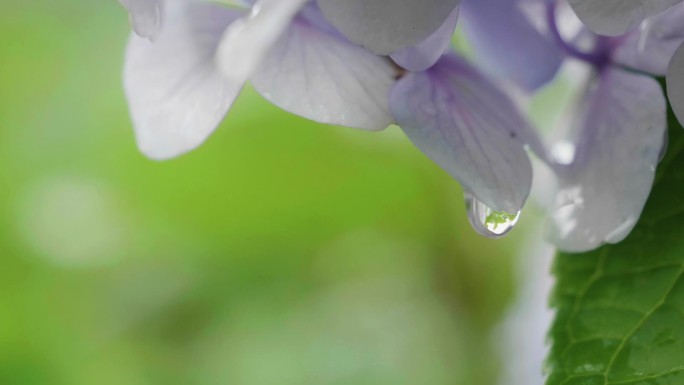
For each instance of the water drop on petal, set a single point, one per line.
(487, 222)
(145, 16)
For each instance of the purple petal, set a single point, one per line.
(175, 93)
(508, 44)
(651, 47)
(387, 26)
(618, 137)
(675, 84)
(470, 128)
(323, 77)
(616, 17)
(425, 54)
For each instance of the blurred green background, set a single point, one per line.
(280, 252)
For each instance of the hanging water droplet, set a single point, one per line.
(487, 222)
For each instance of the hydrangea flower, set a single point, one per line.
(367, 65)
(606, 163)
(178, 93)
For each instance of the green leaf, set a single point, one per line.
(620, 309)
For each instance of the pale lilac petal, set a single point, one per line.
(651, 47)
(426, 53)
(618, 136)
(470, 128)
(508, 44)
(146, 16)
(247, 41)
(616, 17)
(323, 77)
(387, 26)
(675, 84)
(176, 94)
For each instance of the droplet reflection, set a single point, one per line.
(487, 222)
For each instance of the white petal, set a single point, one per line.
(618, 136)
(386, 26)
(146, 16)
(247, 41)
(323, 77)
(615, 17)
(176, 94)
(675, 84)
(470, 128)
(651, 47)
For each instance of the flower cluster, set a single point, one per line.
(369, 64)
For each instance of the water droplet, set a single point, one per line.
(487, 222)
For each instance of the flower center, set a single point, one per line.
(599, 57)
